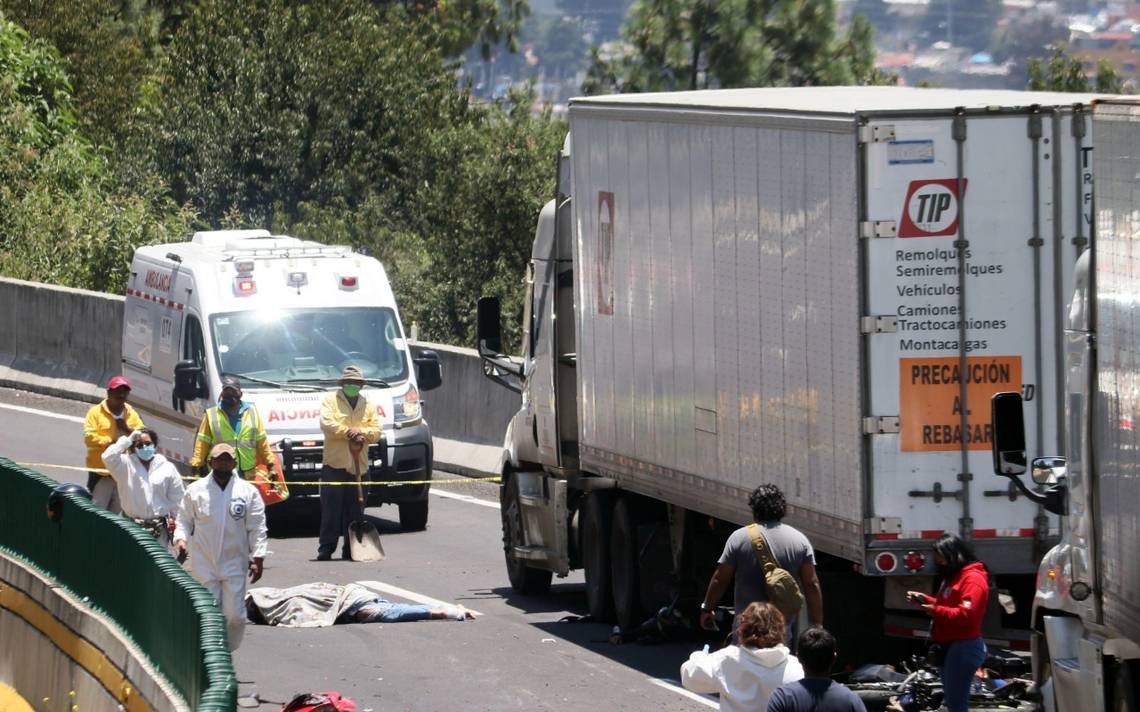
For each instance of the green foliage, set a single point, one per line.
(1061, 72)
(335, 121)
(63, 218)
(696, 44)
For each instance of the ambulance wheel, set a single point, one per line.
(624, 574)
(595, 545)
(414, 515)
(524, 579)
(1124, 693)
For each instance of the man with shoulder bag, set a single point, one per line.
(769, 561)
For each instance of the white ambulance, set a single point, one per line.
(285, 316)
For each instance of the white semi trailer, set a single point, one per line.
(1086, 612)
(819, 288)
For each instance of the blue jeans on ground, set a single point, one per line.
(963, 658)
(380, 610)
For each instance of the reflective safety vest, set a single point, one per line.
(245, 440)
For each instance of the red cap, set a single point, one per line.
(118, 382)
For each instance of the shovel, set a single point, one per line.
(363, 539)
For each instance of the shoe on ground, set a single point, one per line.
(324, 556)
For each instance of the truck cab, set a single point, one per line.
(284, 316)
(1086, 623)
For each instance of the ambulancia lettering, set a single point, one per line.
(158, 280)
(282, 415)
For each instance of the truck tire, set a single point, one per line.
(624, 575)
(414, 515)
(1124, 693)
(524, 579)
(595, 533)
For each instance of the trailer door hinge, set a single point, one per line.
(880, 425)
(878, 228)
(879, 324)
(877, 133)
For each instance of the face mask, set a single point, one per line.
(229, 401)
(223, 471)
(145, 452)
(351, 390)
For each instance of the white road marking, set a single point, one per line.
(413, 596)
(673, 686)
(44, 413)
(465, 498)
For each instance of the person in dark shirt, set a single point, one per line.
(817, 692)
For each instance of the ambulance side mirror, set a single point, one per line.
(489, 326)
(429, 371)
(188, 384)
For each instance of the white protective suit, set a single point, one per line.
(144, 492)
(224, 531)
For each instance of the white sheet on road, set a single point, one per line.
(311, 605)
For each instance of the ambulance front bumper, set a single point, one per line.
(402, 455)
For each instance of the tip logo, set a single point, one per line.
(931, 208)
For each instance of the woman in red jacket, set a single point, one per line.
(957, 611)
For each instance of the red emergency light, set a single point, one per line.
(245, 286)
(348, 283)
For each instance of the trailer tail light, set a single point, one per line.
(244, 286)
(914, 561)
(348, 283)
(886, 562)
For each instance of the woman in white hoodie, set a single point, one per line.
(150, 488)
(745, 675)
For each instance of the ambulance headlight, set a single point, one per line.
(407, 407)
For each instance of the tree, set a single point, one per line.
(691, 44)
(876, 12)
(342, 122)
(459, 24)
(1064, 73)
(63, 217)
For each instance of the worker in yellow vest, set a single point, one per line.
(237, 424)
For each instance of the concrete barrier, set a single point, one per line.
(61, 655)
(468, 406)
(67, 342)
(59, 341)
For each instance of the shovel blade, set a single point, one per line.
(364, 542)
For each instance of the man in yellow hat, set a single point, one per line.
(350, 424)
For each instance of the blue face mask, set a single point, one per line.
(145, 452)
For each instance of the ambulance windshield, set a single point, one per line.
(309, 345)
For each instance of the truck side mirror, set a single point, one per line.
(429, 371)
(188, 381)
(1008, 423)
(489, 327)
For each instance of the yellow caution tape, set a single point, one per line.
(393, 483)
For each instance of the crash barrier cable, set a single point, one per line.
(373, 483)
(121, 570)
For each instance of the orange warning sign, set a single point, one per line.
(930, 404)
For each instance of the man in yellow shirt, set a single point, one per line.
(237, 423)
(106, 422)
(350, 424)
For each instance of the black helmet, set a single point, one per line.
(55, 499)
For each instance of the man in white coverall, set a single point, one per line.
(223, 518)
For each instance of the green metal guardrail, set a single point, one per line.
(122, 571)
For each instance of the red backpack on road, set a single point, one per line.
(320, 702)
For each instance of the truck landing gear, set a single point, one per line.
(595, 533)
